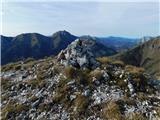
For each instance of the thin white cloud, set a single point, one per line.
(94, 18)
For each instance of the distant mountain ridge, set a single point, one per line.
(38, 46)
(118, 43)
(33, 45)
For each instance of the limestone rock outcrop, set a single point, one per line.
(79, 54)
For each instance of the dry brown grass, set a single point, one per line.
(134, 70)
(158, 112)
(80, 104)
(12, 108)
(36, 83)
(44, 107)
(11, 66)
(70, 72)
(127, 100)
(33, 98)
(118, 63)
(4, 97)
(142, 96)
(6, 83)
(122, 84)
(136, 116)
(21, 107)
(104, 60)
(62, 92)
(112, 111)
(138, 76)
(96, 73)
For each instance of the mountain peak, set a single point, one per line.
(61, 33)
(34, 45)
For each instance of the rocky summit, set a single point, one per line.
(79, 54)
(60, 88)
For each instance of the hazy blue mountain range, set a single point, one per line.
(119, 43)
(38, 46)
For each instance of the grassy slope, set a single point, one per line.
(146, 55)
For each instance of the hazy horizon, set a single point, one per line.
(102, 19)
(130, 37)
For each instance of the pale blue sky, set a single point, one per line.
(128, 19)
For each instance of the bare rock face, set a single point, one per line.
(79, 54)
